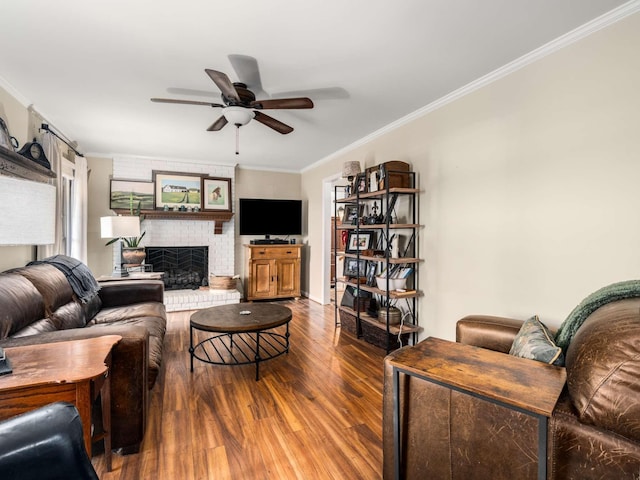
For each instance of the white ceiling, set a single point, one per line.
(91, 67)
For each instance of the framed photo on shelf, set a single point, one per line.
(360, 183)
(371, 273)
(216, 194)
(131, 194)
(358, 241)
(177, 189)
(352, 213)
(354, 267)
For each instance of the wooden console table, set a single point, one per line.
(492, 376)
(74, 371)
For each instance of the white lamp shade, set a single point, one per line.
(238, 115)
(29, 213)
(120, 226)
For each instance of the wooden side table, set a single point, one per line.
(73, 371)
(482, 373)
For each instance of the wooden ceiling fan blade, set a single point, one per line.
(271, 122)
(327, 93)
(190, 92)
(224, 84)
(246, 68)
(185, 102)
(218, 124)
(282, 103)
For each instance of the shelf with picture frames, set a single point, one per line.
(372, 248)
(394, 294)
(393, 261)
(377, 195)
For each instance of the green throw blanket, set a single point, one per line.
(611, 293)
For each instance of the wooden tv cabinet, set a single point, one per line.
(273, 271)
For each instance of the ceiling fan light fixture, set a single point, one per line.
(238, 116)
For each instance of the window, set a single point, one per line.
(68, 175)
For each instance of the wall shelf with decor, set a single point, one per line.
(378, 212)
(15, 165)
(218, 217)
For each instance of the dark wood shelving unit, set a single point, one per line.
(383, 333)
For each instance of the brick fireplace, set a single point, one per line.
(172, 233)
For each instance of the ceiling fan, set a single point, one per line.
(240, 106)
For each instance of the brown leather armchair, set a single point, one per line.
(594, 432)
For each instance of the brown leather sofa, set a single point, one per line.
(38, 305)
(594, 432)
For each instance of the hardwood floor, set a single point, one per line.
(315, 413)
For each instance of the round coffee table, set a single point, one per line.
(242, 337)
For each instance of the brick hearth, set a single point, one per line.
(178, 300)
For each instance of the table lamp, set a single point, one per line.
(349, 171)
(120, 226)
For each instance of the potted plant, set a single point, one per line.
(133, 253)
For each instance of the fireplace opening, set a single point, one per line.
(184, 267)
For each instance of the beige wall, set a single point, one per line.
(16, 116)
(99, 257)
(530, 186)
(264, 184)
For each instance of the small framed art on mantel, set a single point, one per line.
(216, 194)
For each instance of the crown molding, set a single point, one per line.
(553, 46)
(11, 90)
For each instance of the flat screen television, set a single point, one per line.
(259, 216)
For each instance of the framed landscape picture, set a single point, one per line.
(216, 194)
(131, 194)
(177, 189)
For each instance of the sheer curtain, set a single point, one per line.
(78, 230)
(52, 152)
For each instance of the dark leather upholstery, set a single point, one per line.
(594, 432)
(37, 305)
(44, 444)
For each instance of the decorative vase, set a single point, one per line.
(133, 256)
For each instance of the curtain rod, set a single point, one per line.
(46, 128)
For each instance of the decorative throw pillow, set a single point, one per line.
(534, 342)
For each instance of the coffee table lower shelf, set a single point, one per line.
(241, 348)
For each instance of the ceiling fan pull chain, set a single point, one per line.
(237, 138)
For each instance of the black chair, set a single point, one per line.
(46, 443)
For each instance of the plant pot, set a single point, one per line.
(133, 256)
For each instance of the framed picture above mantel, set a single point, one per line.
(216, 194)
(131, 194)
(175, 189)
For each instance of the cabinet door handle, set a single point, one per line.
(289, 252)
